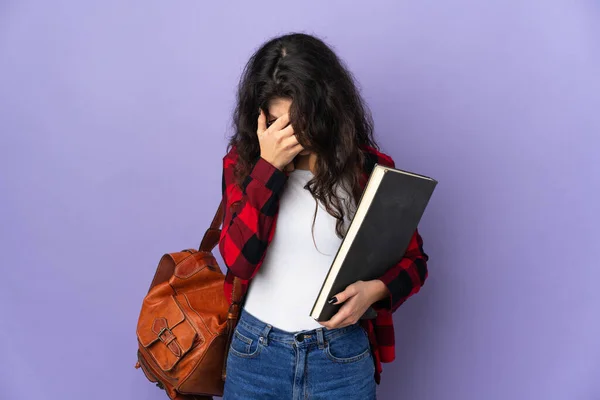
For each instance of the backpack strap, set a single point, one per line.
(213, 233)
(166, 266)
(208, 243)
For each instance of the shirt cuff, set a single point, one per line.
(269, 175)
(385, 303)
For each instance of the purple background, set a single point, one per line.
(113, 119)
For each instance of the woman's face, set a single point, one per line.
(277, 107)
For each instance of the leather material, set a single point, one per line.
(186, 324)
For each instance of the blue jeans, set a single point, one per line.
(265, 362)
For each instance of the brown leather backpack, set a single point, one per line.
(186, 324)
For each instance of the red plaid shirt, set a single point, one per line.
(249, 226)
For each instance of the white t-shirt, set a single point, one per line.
(285, 288)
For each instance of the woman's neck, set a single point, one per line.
(307, 162)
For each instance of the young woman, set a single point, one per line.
(301, 154)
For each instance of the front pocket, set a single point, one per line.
(349, 347)
(165, 332)
(244, 346)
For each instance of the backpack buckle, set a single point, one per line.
(168, 335)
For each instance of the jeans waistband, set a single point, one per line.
(268, 332)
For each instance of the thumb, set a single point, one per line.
(342, 296)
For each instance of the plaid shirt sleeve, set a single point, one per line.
(407, 276)
(249, 215)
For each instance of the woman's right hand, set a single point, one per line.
(278, 144)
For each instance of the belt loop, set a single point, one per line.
(264, 336)
(320, 339)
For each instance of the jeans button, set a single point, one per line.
(300, 337)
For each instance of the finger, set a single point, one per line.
(325, 324)
(343, 296)
(344, 323)
(331, 324)
(280, 122)
(290, 142)
(286, 132)
(297, 149)
(338, 318)
(292, 146)
(262, 122)
(350, 316)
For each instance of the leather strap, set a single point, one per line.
(233, 315)
(213, 233)
(166, 266)
(209, 241)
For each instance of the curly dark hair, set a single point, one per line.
(327, 112)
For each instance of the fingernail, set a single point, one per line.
(332, 300)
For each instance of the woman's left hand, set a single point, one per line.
(357, 298)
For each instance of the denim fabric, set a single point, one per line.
(265, 362)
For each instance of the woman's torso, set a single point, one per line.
(284, 290)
